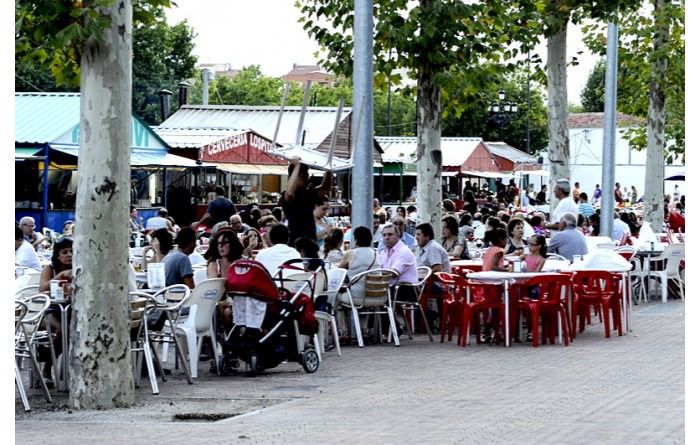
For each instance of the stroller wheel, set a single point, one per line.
(253, 365)
(309, 361)
(223, 366)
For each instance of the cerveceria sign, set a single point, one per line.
(243, 147)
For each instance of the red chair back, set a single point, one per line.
(594, 283)
(550, 287)
(483, 293)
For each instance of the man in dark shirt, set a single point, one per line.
(298, 200)
(220, 209)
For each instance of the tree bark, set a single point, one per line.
(100, 362)
(559, 151)
(653, 211)
(429, 151)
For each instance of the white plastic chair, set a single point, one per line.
(199, 322)
(673, 254)
(336, 278)
(555, 256)
(200, 274)
(196, 258)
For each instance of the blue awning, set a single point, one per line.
(139, 157)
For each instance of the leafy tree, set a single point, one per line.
(651, 64)
(162, 57)
(592, 96)
(90, 44)
(438, 44)
(475, 120)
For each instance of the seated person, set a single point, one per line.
(25, 255)
(429, 253)
(569, 241)
(357, 260)
(280, 252)
(61, 268)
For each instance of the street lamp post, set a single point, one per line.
(501, 113)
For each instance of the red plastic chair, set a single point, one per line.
(548, 306)
(599, 289)
(483, 298)
(452, 299)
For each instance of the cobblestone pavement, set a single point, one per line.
(627, 390)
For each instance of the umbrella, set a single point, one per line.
(676, 177)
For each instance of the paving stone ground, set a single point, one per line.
(621, 390)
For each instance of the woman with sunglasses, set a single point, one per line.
(61, 268)
(224, 249)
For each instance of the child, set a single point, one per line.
(534, 262)
(494, 257)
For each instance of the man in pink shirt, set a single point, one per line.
(397, 256)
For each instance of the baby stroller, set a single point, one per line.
(269, 321)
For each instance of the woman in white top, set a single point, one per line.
(357, 260)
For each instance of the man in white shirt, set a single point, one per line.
(619, 228)
(279, 253)
(25, 255)
(565, 205)
(160, 221)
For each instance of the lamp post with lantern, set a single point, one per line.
(501, 113)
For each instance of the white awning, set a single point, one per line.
(251, 169)
(487, 174)
(139, 158)
(313, 158)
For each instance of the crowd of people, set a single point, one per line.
(491, 224)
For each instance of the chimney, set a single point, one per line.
(165, 103)
(182, 93)
(206, 75)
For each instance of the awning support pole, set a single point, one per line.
(45, 192)
(165, 187)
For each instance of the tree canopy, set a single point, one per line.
(47, 51)
(636, 56)
(592, 96)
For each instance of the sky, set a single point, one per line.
(267, 33)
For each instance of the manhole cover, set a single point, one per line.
(202, 417)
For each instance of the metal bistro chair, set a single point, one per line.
(326, 314)
(171, 300)
(407, 296)
(29, 313)
(140, 346)
(377, 296)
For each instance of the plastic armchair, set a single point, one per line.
(452, 295)
(555, 256)
(484, 296)
(199, 322)
(666, 268)
(377, 295)
(596, 288)
(170, 300)
(335, 279)
(28, 335)
(408, 296)
(200, 275)
(549, 303)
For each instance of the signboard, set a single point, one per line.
(243, 147)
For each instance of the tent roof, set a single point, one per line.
(318, 121)
(455, 150)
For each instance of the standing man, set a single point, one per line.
(298, 200)
(576, 193)
(618, 197)
(220, 209)
(597, 194)
(565, 205)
